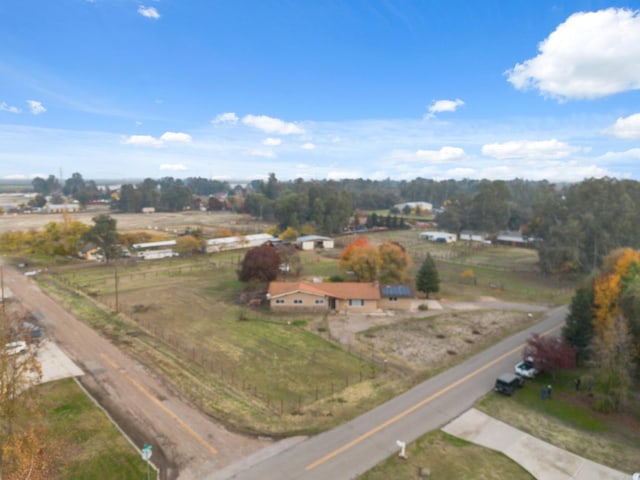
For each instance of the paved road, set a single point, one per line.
(353, 448)
(186, 443)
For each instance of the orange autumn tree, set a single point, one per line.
(361, 258)
(612, 342)
(368, 262)
(395, 262)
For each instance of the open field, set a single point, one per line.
(283, 374)
(255, 371)
(569, 422)
(259, 372)
(90, 446)
(167, 222)
(448, 457)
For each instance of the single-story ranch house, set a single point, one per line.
(339, 296)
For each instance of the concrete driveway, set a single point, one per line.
(56, 365)
(543, 460)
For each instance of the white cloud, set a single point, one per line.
(228, 118)
(9, 108)
(590, 55)
(36, 107)
(627, 128)
(308, 146)
(461, 172)
(445, 154)
(271, 142)
(150, 141)
(443, 106)
(271, 125)
(149, 12)
(176, 167)
(548, 149)
(177, 137)
(143, 141)
(262, 153)
(631, 156)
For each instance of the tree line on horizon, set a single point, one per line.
(574, 225)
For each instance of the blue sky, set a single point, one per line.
(320, 89)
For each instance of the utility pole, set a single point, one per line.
(115, 269)
(4, 310)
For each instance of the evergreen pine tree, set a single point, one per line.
(427, 279)
(578, 329)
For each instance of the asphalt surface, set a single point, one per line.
(355, 447)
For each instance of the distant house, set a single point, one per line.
(61, 208)
(438, 237)
(148, 210)
(350, 297)
(311, 242)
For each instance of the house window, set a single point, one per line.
(356, 303)
(297, 301)
(319, 301)
(393, 299)
(279, 301)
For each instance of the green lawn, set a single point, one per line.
(569, 422)
(448, 457)
(91, 446)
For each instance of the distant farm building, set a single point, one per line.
(311, 242)
(470, 236)
(215, 245)
(165, 249)
(438, 237)
(514, 239)
(155, 250)
(61, 208)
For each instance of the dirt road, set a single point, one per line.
(186, 443)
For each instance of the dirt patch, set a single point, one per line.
(169, 222)
(428, 341)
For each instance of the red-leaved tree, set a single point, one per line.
(260, 264)
(550, 353)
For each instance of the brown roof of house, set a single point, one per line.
(342, 290)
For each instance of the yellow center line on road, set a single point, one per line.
(418, 405)
(155, 400)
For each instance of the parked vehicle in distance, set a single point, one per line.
(14, 348)
(526, 369)
(507, 383)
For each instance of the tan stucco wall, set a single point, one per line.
(400, 304)
(368, 307)
(308, 302)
